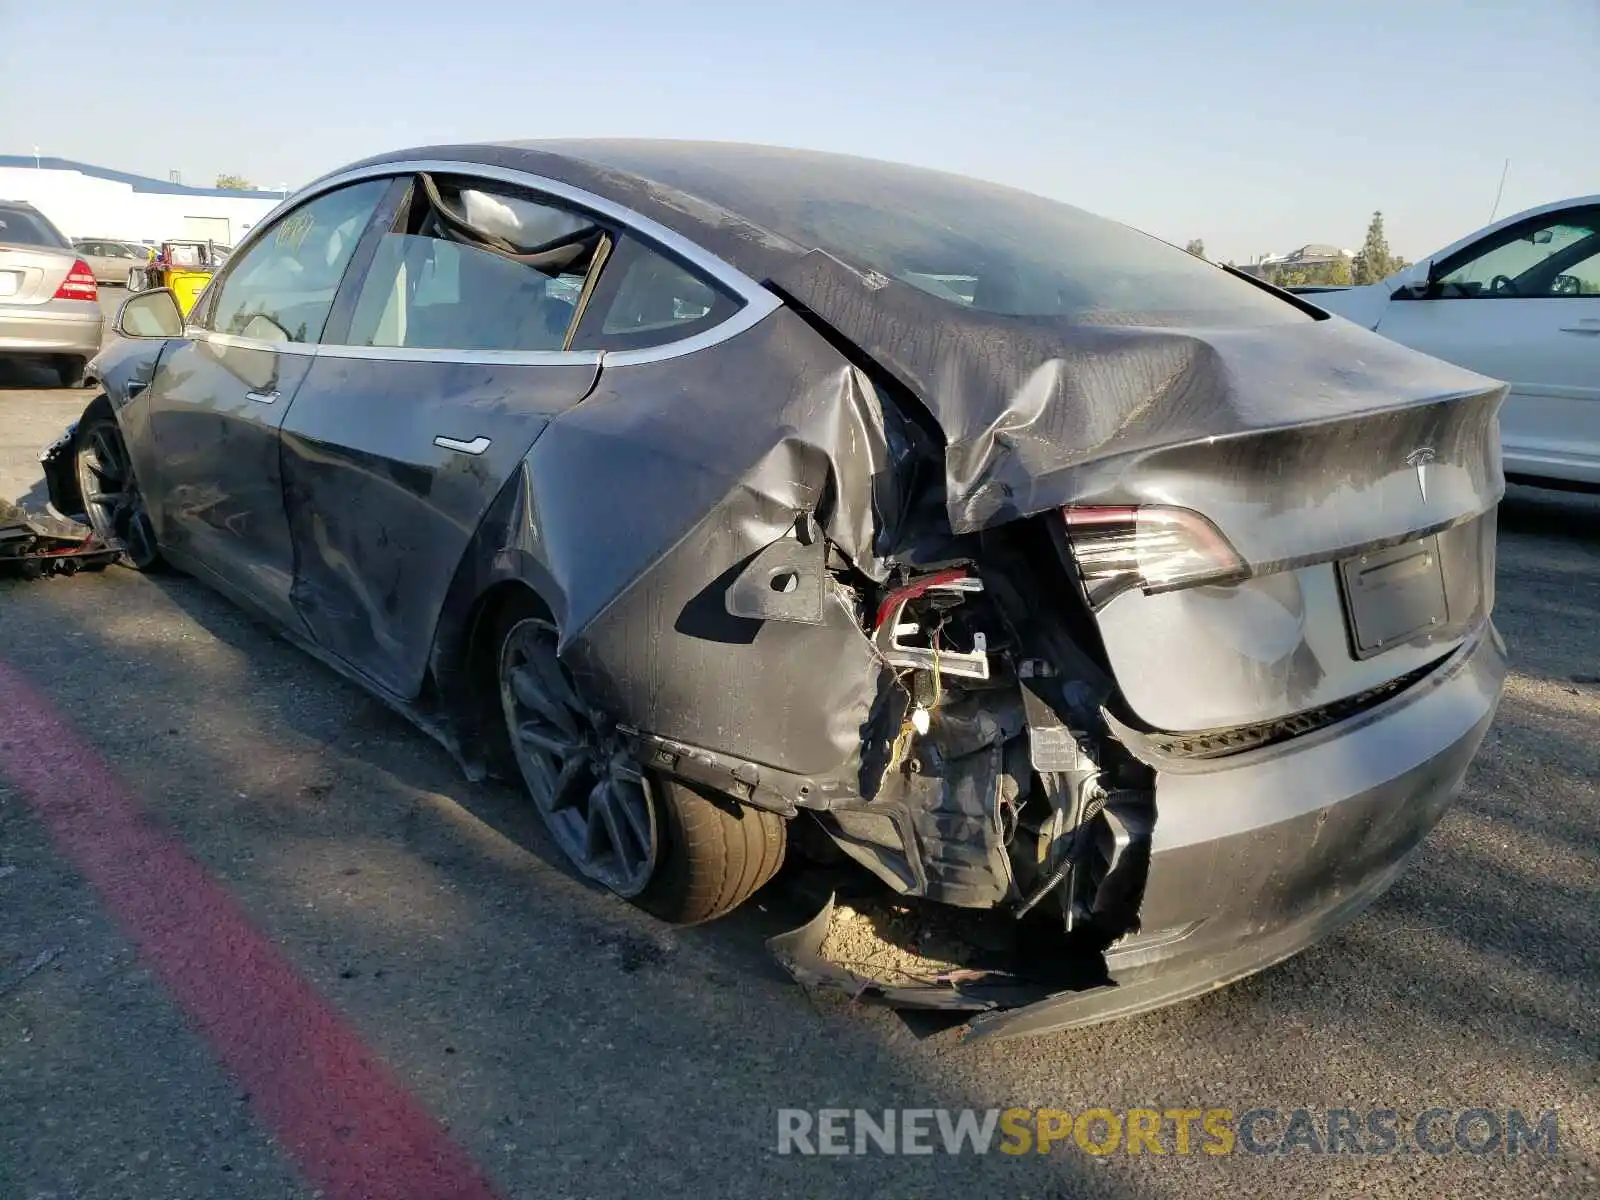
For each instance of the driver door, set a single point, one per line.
(1523, 305)
(219, 394)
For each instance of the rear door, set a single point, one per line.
(218, 396)
(1523, 305)
(450, 360)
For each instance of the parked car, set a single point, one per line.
(1519, 301)
(722, 493)
(111, 260)
(49, 305)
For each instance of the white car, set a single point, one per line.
(1518, 301)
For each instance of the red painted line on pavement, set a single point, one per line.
(350, 1125)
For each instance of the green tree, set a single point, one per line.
(1321, 274)
(1330, 274)
(236, 183)
(1196, 247)
(1373, 261)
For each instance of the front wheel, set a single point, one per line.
(111, 497)
(679, 853)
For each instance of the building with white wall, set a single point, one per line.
(87, 201)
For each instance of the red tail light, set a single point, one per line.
(1154, 548)
(79, 284)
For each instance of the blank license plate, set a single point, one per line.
(10, 281)
(1392, 594)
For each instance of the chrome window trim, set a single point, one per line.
(726, 274)
(746, 318)
(547, 358)
(758, 302)
(488, 358)
(196, 333)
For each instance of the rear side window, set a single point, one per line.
(645, 298)
(475, 268)
(21, 227)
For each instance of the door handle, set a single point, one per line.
(476, 446)
(262, 397)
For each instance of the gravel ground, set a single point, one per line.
(576, 1048)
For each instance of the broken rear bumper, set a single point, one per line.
(1274, 849)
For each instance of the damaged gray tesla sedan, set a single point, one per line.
(1033, 563)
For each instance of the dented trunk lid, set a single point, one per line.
(1356, 480)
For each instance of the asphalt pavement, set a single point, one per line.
(573, 1047)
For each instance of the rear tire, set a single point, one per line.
(692, 855)
(69, 370)
(716, 853)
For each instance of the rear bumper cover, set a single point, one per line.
(1277, 848)
(48, 330)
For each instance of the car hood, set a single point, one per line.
(1249, 425)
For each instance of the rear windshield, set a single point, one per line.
(974, 244)
(20, 227)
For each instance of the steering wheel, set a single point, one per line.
(1503, 285)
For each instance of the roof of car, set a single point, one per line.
(733, 198)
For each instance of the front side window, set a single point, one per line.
(282, 288)
(1548, 258)
(476, 269)
(645, 298)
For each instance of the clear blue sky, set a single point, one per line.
(1257, 126)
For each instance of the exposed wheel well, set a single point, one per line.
(69, 501)
(476, 668)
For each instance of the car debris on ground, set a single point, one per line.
(35, 546)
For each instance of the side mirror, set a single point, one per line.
(152, 314)
(1413, 282)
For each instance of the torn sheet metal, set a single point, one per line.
(647, 578)
(1272, 432)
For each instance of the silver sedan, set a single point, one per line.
(111, 260)
(49, 304)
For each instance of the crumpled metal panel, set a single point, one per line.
(646, 502)
(1292, 438)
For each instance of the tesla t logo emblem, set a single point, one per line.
(1420, 458)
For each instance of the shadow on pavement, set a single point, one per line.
(611, 1053)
